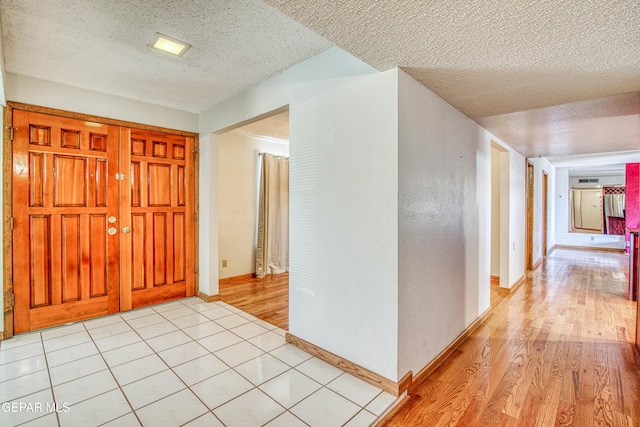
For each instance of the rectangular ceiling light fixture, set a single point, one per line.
(169, 45)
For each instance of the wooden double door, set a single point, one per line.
(103, 219)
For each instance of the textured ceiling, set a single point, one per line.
(490, 57)
(102, 46)
(276, 126)
(521, 68)
(585, 127)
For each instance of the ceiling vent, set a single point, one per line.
(588, 180)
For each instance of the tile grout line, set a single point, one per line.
(249, 321)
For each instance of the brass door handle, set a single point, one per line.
(112, 231)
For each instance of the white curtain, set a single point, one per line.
(272, 252)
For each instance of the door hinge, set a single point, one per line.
(195, 154)
(11, 222)
(121, 176)
(13, 299)
(195, 217)
(11, 129)
(195, 270)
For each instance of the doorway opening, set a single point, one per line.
(499, 215)
(240, 154)
(528, 261)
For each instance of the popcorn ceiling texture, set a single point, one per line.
(490, 57)
(102, 46)
(276, 126)
(504, 64)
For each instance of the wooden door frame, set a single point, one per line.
(529, 218)
(7, 190)
(545, 195)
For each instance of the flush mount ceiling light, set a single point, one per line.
(169, 45)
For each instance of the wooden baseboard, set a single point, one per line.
(550, 251)
(537, 264)
(208, 298)
(356, 370)
(590, 248)
(237, 279)
(387, 417)
(518, 283)
(444, 354)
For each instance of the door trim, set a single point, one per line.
(7, 190)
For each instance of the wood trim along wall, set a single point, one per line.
(588, 248)
(196, 212)
(356, 370)
(208, 298)
(236, 279)
(537, 264)
(7, 197)
(7, 154)
(551, 249)
(518, 283)
(444, 354)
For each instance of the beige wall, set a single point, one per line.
(238, 198)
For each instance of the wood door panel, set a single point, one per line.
(98, 250)
(179, 247)
(78, 310)
(159, 199)
(61, 202)
(66, 187)
(71, 252)
(40, 265)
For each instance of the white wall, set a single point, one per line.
(343, 202)
(238, 185)
(34, 91)
(517, 217)
(343, 221)
(495, 212)
(444, 224)
(322, 72)
(602, 180)
(562, 200)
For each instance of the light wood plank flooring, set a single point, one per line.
(558, 351)
(267, 298)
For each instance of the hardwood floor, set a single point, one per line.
(267, 298)
(558, 351)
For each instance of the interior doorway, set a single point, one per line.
(240, 154)
(500, 169)
(529, 219)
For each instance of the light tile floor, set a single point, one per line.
(186, 362)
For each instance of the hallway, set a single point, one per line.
(557, 352)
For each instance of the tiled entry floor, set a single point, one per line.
(182, 363)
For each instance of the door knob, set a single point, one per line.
(112, 219)
(126, 230)
(112, 231)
